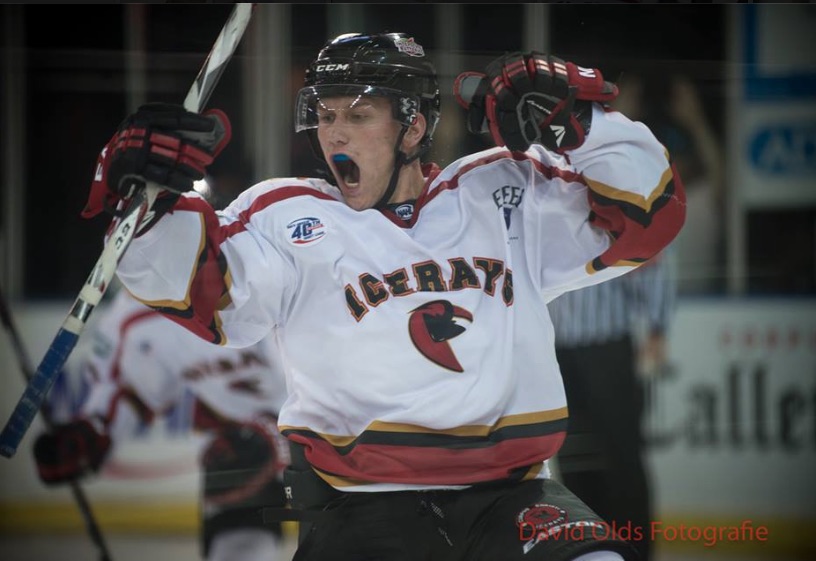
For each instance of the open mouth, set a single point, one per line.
(347, 169)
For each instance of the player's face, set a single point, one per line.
(357, 135)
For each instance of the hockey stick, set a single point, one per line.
(120, 238)
(28, 371)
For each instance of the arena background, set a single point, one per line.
(731, 425)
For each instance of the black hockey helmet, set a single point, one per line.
(392, 65)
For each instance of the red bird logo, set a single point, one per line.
(431, 325)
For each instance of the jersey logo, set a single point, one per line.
(431, 326)
(306, 230)
(537, 522)
(559, 131)
(405, 211)
(507, 198)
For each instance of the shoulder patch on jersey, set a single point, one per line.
(306, 230)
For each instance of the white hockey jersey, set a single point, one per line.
(140, 358)
(418, 353)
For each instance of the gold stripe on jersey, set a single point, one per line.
(225, 299)
(464, 430)
(182, 308)
(184, 305)
(339, 482)
(591, 270)
(633, 198)
(533, 472)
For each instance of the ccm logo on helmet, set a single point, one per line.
(331, 67)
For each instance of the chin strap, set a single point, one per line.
(400, 159)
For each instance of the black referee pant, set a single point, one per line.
(601, 460)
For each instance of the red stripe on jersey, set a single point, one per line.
(638, 238)
(208, 284)
(124, 327)
(116, 368)
(113, 406)
(430, 465)
(116, 468)
(268, 199)
(128, 395)
(547, 171)
(258, 204)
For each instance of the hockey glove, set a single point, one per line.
(533, 98)
(70, 451)
(161, 143)
(243, 462)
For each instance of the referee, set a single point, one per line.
(596, 331)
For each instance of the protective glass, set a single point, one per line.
(310, 103)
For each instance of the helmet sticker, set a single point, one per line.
(408, 107)
(409, 46)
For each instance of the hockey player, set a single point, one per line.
(139, 366)
(411, 301)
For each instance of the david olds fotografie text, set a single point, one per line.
(708, 536)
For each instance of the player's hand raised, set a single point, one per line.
(159, 143)
(533, 98)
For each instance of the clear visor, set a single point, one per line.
(314, 101)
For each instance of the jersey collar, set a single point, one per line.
(429, 171)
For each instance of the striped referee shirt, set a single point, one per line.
(612, 309)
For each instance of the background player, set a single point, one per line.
(140, 366)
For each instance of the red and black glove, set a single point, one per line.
(160, 143)
(244, 463)
(533, 98)
(70, 451)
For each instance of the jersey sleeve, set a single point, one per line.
(616, 202)
(635, 192)
(215, 273)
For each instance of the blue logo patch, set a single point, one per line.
(306, 230)
(788, 149)
(405, 211)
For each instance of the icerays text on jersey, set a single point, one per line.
(372, 290)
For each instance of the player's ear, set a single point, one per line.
(413, 136)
